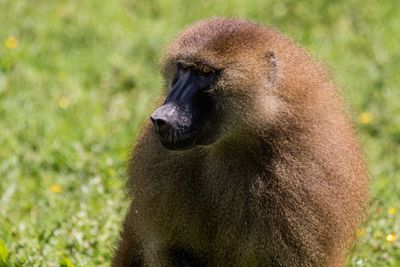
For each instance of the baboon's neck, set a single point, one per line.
(261, 146)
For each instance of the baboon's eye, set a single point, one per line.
(203, 72)
(206, 72)
(182, 67)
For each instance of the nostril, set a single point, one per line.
(160, 122)
(162, 125)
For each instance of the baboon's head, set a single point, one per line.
(221, 79)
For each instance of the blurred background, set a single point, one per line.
(77, 79)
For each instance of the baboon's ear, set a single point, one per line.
(273, 74)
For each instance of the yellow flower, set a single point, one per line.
(361, 232)
(392, 211)
(55, 188)
(11, 42)
(391, 238)
(63, 102)
(365, 118)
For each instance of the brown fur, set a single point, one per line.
(285, 185)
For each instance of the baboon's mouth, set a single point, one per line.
(180, 140)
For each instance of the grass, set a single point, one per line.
(77, 79)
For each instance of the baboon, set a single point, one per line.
(250, 161)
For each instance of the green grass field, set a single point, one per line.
(77, 79)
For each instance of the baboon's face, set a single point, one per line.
(188, 116)
(219, 85)
(206, 103)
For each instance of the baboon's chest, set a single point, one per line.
(208, 209)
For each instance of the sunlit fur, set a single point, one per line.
(285, 183)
